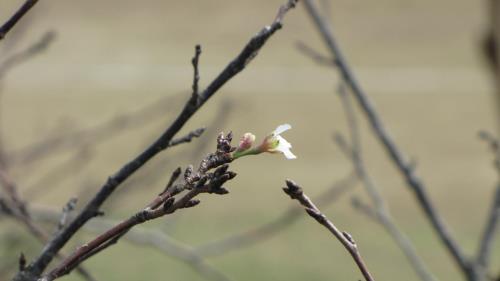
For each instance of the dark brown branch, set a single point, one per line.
(196, 75)
(165, 203)
(147, 237)
(152, 174)
(92, 208)
(393, 151)
(295, 192)
(9, 24)
(270, 229)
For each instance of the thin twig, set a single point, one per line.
(147, 237)
(314, 55)
(92, 208)
(270, 229)
(163, 204)
(295, 192)
(18, 58)
(9, 24)
(393, 151)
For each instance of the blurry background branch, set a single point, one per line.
(405, 168)
(380, 211)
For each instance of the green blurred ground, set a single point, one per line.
(419, 60)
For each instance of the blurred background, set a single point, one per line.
(117, 73)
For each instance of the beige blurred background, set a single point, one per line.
(420, 61)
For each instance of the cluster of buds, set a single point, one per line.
(272, 143)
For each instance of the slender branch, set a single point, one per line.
(9, 24)
(149, 176)
(92, 208)
(165, 203)
(147, 237)
(381, 212)
(393, 151)
(270, 229)
(196, 75)
(295, 192)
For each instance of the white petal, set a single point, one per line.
(284, 147)
(282, 128)
(289, 155)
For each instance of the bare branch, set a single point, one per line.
(196, 75)
(393, 151)
(270, 229)
(295, 192)
(92, 208)
(9, 24)
(147, 237)
(164, 204)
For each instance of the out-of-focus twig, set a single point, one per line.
(16, 208)
(11, 22)
(86, 136)
(380, 212)
(10, 63)
(295, 192)
(18, 58)
(67, 169)
(314, 55)
(392, 150)
(270, 229)
(250, 50)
